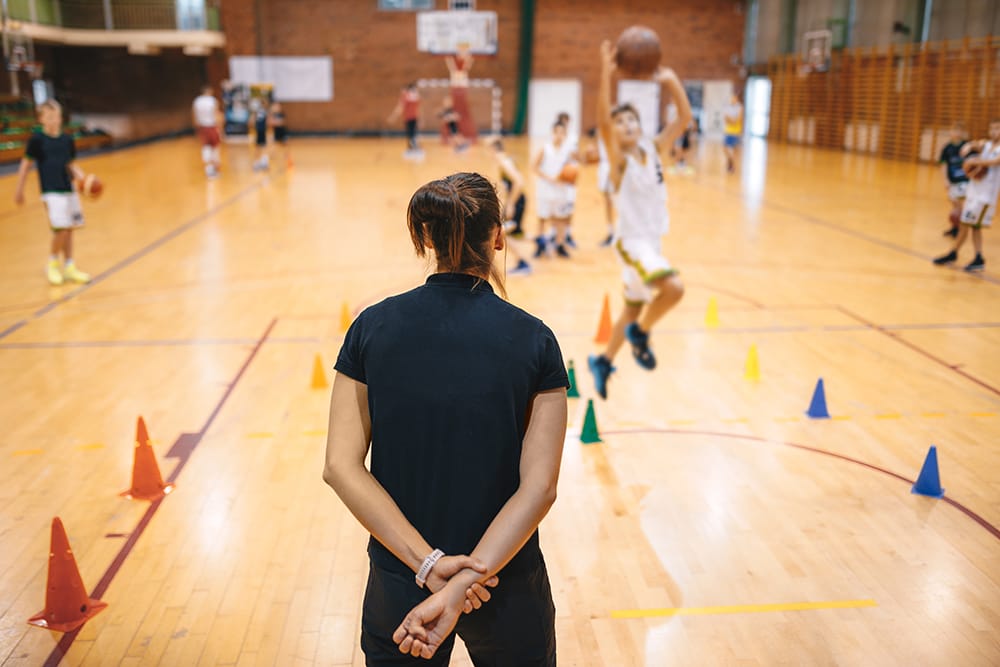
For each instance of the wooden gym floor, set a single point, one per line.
(691, 536)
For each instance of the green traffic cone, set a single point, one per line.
(589, 433)
(572, 392)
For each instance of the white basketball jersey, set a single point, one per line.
(986, 188)
(205, 109)
(641, 199)
(553, 160)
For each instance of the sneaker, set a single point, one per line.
(606, 243)
(601, 369)
(978, 264)
(570, 242)
(562, 252)
(522, 269)
(946, 259)
(54, 273)
(542, 246)
(951, 231)
(75, 275)
(640, 346)
(211, 172)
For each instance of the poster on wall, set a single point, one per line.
(295, 78)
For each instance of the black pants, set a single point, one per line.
(516, 628)
(411, 133)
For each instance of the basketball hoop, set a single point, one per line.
(816, 50)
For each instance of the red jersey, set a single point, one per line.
(410, 100)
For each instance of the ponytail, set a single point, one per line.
(457, 216)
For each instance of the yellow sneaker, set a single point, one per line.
(54, 273)
(73, 274)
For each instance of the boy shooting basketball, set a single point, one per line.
(980, 197)
(652, 286)
(53, 152)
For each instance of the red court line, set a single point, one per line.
(182, 449)
(919, 350)
(993, 530)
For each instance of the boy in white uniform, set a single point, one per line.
(652, 286)
(554, 199)
(205, 114)
(980, 196)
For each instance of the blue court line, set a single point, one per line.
(131, 259)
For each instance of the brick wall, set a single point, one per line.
(150, 95)
(375, 52)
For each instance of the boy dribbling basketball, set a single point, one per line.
(652, 286)
(981, 195)
(53, 152)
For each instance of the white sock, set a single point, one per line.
(54, 258)
(69, 263)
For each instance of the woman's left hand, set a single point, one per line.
(429, 623)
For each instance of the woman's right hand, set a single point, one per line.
(449, 566)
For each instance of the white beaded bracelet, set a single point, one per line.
(427, 566)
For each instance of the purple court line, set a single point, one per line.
(919, 350)
(990, 528)
(727, 292)
(131, 259)
(184, 342)
(852, 232)
(182, 450)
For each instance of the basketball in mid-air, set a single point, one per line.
(638, 52)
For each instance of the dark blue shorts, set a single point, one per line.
(516, 628)
(732, 140)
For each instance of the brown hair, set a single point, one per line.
(458, 217)
(622, 108)
(49, 104)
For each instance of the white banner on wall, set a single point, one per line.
(295, 78)
(645, 97)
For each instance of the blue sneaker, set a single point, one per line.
(522, 269)
(602, 369)
(541, 246)
(640, 346)
(570, 242)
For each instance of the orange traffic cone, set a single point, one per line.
(319, 377)
(67, 606)
(345, 318)
(604, 327)
(147, 484)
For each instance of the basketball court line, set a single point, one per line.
(134, 257)
(182, 450)
(989, 527)
(916, 348)
(742, 609)
(843, 230)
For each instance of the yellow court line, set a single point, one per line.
(261, 434)
(889, 415)
(27, 452)
(983, 414)
(95, 445)
(841, 418)
(741, 609)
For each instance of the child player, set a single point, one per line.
(206, 116)
(980, 197)
(53, 152)
(958, 181)
(652, 286)
(555, 198)
(408, 107)
(512, 195)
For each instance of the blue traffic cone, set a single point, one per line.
(929, 481)
(817, 407)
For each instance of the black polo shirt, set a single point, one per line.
(451, 369)
(52, 155)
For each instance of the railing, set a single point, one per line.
(119, 14)
(896, 102)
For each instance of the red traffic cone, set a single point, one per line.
(147, 483)
(67, 606)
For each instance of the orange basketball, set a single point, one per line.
(569, 173)
(975, 172)
(638, 52)
(91, 187)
